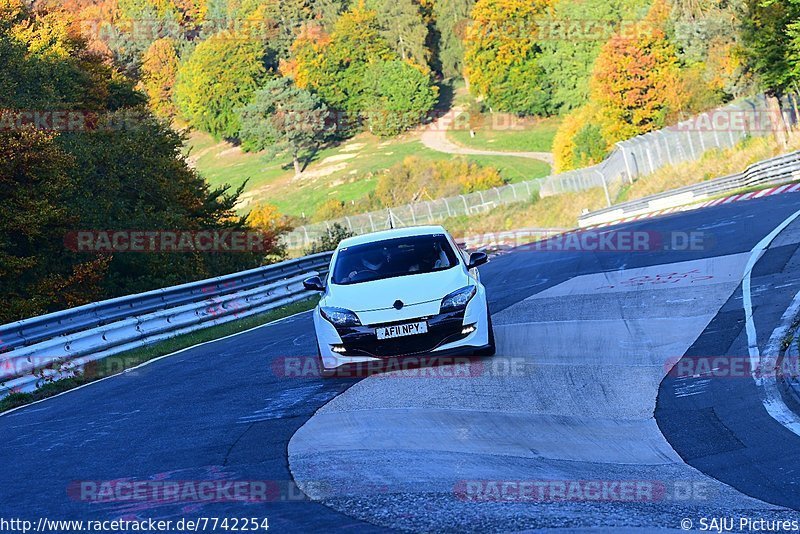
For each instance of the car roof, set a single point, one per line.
(391, 234)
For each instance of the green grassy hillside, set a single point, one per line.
(345, 172)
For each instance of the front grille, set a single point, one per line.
(442, 329)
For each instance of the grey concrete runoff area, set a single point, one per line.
(579, 422)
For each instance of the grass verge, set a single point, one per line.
(558, 211)
(562, 211)
(120, 362)
(345, 172)
(713, 164)
(508, 133)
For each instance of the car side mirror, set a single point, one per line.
(313, 284)
(476, 259)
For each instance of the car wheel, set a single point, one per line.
(490, 349)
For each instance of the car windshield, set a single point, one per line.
(393, 257)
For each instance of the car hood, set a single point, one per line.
(381, 294)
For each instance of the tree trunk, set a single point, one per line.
(296, 162)
(776, 118)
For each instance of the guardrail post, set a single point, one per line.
(605, 187)
(625, 159)
(691, 143)
(666, 146)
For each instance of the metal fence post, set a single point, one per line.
(666, 147)
(605, 187)
(625, 159)
(691, 143)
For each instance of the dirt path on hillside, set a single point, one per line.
(435, 137)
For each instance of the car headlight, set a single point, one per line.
(457, 300)
(340, 316)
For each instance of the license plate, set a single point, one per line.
(400, 330)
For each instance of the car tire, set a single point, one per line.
(490, 349)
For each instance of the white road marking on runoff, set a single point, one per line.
(763, 372)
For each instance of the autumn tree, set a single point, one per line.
(771, 43)
(579, 140)
(327, 12)
(136, 25)
(192, 11)
(336, 66)
(707, 39)
(159, 71)
(501, 57)
(116, 167)
(571, 35)
(636, 83)
(267, 217)
(217, 79)
(284, 118)
(276, 21)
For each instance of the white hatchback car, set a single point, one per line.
(403, 292)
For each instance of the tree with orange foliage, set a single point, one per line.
(637, 83)
(159, 70)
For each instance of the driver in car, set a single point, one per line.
(372, 261)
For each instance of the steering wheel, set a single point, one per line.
(360, 274)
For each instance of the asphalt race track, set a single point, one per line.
(582, 390)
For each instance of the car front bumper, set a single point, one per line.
(446, 337)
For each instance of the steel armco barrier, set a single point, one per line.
(773, 171)
(57, 344)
